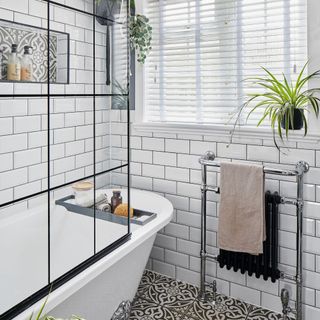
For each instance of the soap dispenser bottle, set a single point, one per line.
(27, 64)
(14, 65)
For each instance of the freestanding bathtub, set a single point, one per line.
(96, 293)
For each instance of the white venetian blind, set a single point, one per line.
(202, 51)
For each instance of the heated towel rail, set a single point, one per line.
(302, 167)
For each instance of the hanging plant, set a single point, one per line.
(140, 32)
(284, 103)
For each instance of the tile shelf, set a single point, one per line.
(58, 47)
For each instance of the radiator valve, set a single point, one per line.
(285, 304)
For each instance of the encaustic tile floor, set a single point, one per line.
(160, 297)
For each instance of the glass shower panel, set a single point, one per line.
(72, 167)
(111, 222)
(71, 227)
(24, 250)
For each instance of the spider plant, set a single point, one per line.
(283, 102)
(39, 315)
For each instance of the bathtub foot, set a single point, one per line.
(123, 311)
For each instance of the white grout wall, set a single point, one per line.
(168, 164)
(165, 163)
(23, 122)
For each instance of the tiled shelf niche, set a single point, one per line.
(37, 38)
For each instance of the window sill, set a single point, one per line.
(222, 131)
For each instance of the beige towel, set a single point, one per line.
(241, 214)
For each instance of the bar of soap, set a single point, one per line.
(122, 210)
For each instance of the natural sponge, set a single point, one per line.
(122, 210)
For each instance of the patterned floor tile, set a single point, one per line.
(168, 292)
(225, 308)
(160, 297)
(148, 310)
(257, 313)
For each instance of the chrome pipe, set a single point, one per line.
(203, 232)
(301, 168)
(267, 170)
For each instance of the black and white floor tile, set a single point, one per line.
(160, 297)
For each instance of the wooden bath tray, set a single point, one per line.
(140, 217)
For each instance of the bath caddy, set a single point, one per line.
(140, 217)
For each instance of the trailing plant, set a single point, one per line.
(39, 315)
(280, 101)
(140, 32)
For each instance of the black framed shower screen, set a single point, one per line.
(51, 93)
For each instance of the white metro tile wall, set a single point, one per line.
(23, 122)
(175, 173)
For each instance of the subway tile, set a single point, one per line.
(163, 158)
(6, 126)
(237, 151)
(157, 253)
(177, 230)
(154, 171)
(142, 182)
(178, 146)
(13, 178)
(6, 161)
(188, 161)
(63, 165)
(164, 186)
(27, 157)
(292, 156)
(188, 247)
(12, 108)
(167, 242)
(188, 276)
(141, 156)
(156, 144)
(176, 258)
(244, 293)
(311, 244)
(188, 190)
(200, 147)
(13, 143)
(178, 202)
(177, 174)
(27, 124)
(74, 147)
(262, 153)
(189, 219)
(164, 268)
(63, 135)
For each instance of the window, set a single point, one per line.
(204, 49)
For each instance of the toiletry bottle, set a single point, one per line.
(26, 65)
(14, 65)
(116, 199)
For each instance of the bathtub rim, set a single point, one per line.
(130, 242)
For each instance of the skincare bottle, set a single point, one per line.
(116, 199)
(14, 65)
(26, 65)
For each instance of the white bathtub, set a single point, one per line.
(96, 292)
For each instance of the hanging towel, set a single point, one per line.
(241, 214)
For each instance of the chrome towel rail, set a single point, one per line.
(302, 167)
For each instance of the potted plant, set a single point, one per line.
(39, 316)
(284, 103)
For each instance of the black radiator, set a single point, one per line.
(265, 264)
